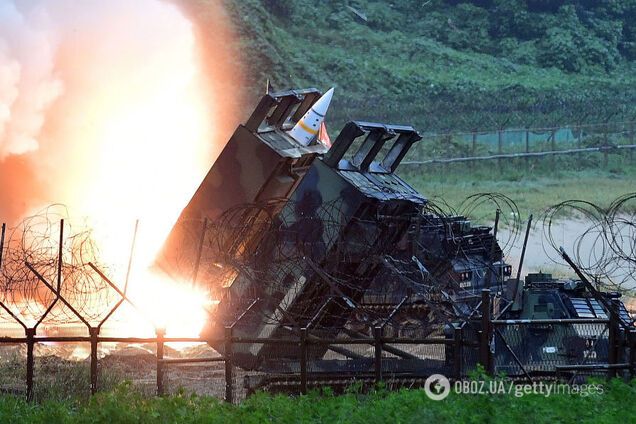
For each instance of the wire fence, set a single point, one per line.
(602, 144)
(567, 349)
(379, 345)
(509, 108)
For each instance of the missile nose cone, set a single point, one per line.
(307, 128)
(322, 104)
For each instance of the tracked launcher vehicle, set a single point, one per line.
(290, 236)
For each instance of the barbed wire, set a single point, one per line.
(267, 252)
(366, 265)
(34, 245)
(605, 247)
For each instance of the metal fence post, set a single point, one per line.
(527, 149)
(631, 141)
(2, 234)
(605, 145)
(303, 361)
(500, 149)
(612, 354)
(553, 148)
(377, 336)
(229, 386)
(484, 342)
(459, 354)
(632, 352)
(160, 343)
(447, 153)
(30, 342)
(473, 148)
(579, 145)
(93, 332)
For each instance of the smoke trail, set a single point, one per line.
(28, 84)
(103, 103)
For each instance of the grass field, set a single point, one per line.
(532, 192)
(123, 405)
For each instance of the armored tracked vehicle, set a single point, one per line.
(294, 237)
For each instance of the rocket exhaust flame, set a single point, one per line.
(109, 108)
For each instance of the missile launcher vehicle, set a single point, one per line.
(291, 236)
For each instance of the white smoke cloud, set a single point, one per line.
(100, 100)
(114, 108)
(28, 84)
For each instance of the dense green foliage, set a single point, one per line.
(125, 406)
(448, 64)
(570, 35)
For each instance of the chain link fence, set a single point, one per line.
(532, 149)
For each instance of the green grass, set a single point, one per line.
(123, 405)
(55, 378)
(533, 192)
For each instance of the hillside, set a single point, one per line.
(443, 64)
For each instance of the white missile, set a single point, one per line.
(307, 128)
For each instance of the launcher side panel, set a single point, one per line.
(259, 163)
(338, 223)
(244, 166)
